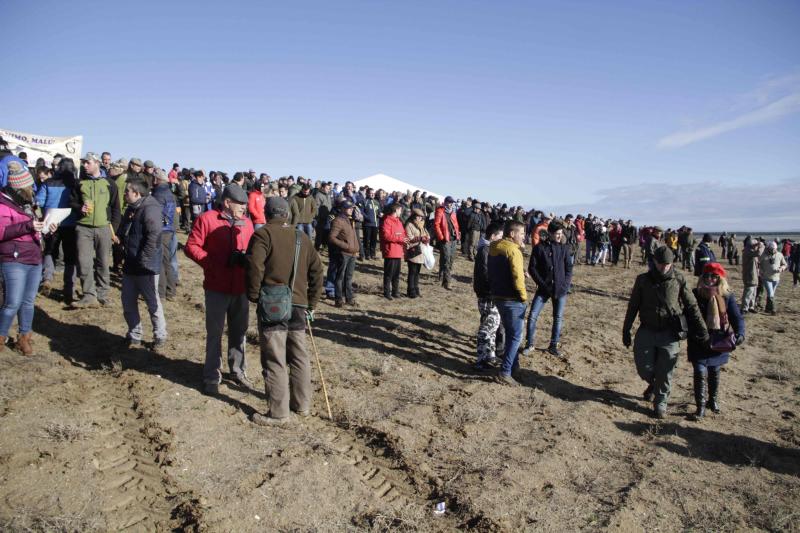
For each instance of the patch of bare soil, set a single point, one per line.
(96, 437)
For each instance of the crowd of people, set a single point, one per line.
(259, 239)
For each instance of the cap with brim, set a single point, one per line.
(449, 200)
(91, 156)
(234, 193)
(418, 212)
(120, 164)
(276, 207)
(657, 229)
(149, 164)
(136, 161)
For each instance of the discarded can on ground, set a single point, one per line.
(440, 508)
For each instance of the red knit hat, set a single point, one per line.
(715, 268)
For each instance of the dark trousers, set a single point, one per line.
(413, 279)
(345, 265)
(391, 276)
(321, 237)
(167, 282)
(446, 252)
(370, 241)
(186, 213)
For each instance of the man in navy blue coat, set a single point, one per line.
(551, 269)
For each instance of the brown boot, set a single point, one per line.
(24, 343)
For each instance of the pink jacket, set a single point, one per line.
(18, 242)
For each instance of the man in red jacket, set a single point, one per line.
(445, 225)
(218, 243)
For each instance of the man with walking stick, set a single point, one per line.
(284, 279)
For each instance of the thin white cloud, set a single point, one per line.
(736, 207)
(782, 107)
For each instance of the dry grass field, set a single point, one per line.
(98, 438)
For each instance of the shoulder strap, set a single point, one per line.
(297, 241)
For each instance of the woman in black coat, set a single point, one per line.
(718, 306)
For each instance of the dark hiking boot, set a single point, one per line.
(713, 390)
(700, 395)
(554, 351)
(211, 389)
(303, 414)
(649, 394)
(388, 296)
(133, 343)
(770, 308)
(351, 303)
(660, 411)
(338, 303)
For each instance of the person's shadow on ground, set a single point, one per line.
(713, 446)
(93, 348)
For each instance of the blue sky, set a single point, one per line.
(601, 106)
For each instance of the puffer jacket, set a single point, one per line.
(393, 235)
(55, 193)
(18, 242)
(771, 266)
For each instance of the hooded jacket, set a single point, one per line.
(702, 255)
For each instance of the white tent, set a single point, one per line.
(390, 184)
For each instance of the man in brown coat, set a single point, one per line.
(284, 357)
(344, 246)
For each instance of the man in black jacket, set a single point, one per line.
(490, 330)
(551, 268)
(140, 233)
(475, 224)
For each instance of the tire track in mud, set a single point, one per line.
(129, 455)
(392, 480)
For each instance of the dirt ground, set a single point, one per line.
(98, 438)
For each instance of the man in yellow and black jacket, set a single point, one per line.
(507, 284)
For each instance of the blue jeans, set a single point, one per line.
(308, 229)
(770, 287)
(21, 287)
(173, 256)
(512, 314)
(558, 317)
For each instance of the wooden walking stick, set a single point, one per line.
(319, 367)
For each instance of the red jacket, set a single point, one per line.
(255, 206)
(440, 226)
(393, 236)
(210, 245)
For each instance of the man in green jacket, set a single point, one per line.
(659, 297)
(96, 200)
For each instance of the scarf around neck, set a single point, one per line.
(716, 311)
